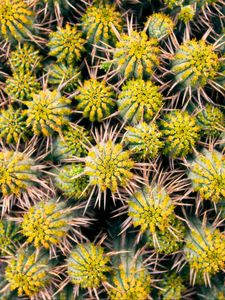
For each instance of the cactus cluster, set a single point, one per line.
(112, 149)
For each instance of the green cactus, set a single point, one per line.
(9, 237)
(172, 287)
(207, 173)
(159, 25)
(187, 13)
(180, 133)
(96, 100)
(139, 100)
(48, 112)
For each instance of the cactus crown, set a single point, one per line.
(22, 86)
(66, 44)
(172, 287)
(109, 166)
(136, 55)
(195, 63)
(28, 272)
(207, 173)
(12, 125)
(15, 18)
(88, 265)
(95, 100)
(16, 172)
(144, 140)
(97, 23)
(159, 25)
(180, 132)
(186, 13)
(139, 100)
(45, 223)
(205, 249)
(48, 112)
(68, 184)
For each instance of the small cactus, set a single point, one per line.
(9, 236)
(136, 55)
(144, 140)
(159, 26)
(172, 287)
(186, 13)
(180, 133)
(88, 265)
(13, 125)
(69, 183)
(139, 100)
(66, 44)
(48, 112)
(207, 173)
(96, 100)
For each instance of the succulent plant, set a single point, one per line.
(88, 265)
(180, 133)
(204, 250)
(68, 182)
(135, 55)
(47, 112)
(172, 287)
(13, 125)
(144, 140)
(207, 173)
(187, 13)
(16, 20)
(98, 22)
(96, 100)
(22, 86)
(139, 100)
(28, 272)
(215, 292)
(9, 236)
(159, 25)
(66, 44)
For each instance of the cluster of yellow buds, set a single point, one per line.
(159, 25)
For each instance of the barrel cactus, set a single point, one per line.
(172, 287)
(159, 25)
(9, 237)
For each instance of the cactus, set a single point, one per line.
(159, 26)
(28, 272)
(16, 20)
(187, 13)
(98, 22)
(22, 86)
(88, 265)
(96, 100)
(139, 100)
(68, 182)
(48, 112)
(144, 140)
(136, 55)
(207, 173)
(180, 133)
(66, 44)
(13, 125)
(9, 237)
(172, 287)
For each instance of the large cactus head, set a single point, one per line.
(207, 173)
(98, 22)
(136, 55)
(159, 25)
(48, 112)
(180, 133)
(139, 100)
(96, 100)
(88, 265)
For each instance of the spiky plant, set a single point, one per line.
(215, 292)
(144, 140)
(207, 173)
(13, 125)
(187, 13)
(48, 112)
(159, 25)
(180, 133)
(66, 44)
(172, 287)
(95, 100)
(64, 76)
(98, 23)
(16, 20)
(204, 250)
(28, 272)
(21, 86)
(211, 120)
(88, 265)
(9, 237)
(69, 182)
(136, 55)
(25, 58)
(74, 141)
(139, 100)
